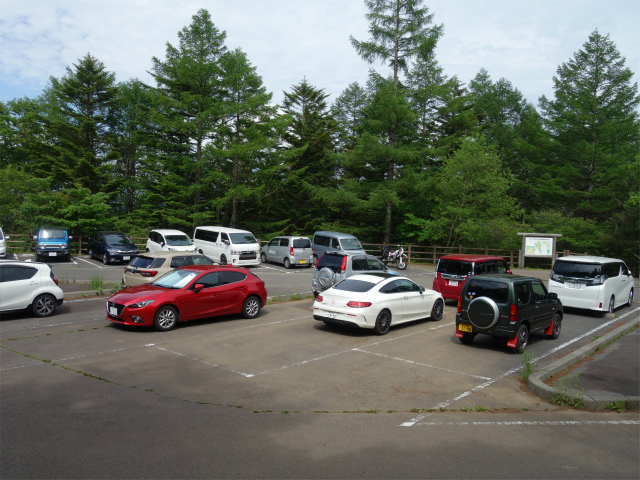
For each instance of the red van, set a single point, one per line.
(452, 271)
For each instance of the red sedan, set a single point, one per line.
(188, 293)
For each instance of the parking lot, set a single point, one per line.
(77, 364)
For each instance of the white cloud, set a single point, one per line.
(288, 40)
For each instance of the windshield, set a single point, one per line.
(454, 267)
(175, 279)
(350, 244)
(51, 233)
(178, 240)
(118, 240)
(578, 270)
(237, 238)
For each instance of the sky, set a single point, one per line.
(522, 41)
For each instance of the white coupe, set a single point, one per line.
(377, 301)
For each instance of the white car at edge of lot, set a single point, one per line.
(29, 286)
(377, 301)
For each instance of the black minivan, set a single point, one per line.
(111, 247)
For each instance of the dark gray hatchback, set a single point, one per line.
(508, 307)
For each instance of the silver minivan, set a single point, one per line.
(334, 241)
(288, 250)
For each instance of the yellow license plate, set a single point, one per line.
(303, 261)
(463, 327)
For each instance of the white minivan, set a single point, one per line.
(592, 283)
(227, 246)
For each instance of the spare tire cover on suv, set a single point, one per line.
(483, 312)
(326, 277)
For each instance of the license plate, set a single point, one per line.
(332, 315)
(463, 327)
(453, 283)
(573, 285)
(113, 311)
(302, 261)
(53, 254)
(126, 257)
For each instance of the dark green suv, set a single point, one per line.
(508, 307)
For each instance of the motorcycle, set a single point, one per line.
(398, 259)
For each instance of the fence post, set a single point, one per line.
(434, 254)
(486, 250)
(79, 244)
(409, 255)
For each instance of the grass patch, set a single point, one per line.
(566, 392)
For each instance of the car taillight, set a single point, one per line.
(358, 304)
(291, 251)
(55, 279)
(152, 273)
(513, 313)
(319, 298)
(460, 305)
(344, 264)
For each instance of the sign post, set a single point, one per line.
(540, 245)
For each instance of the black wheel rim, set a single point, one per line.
(384, 322)
(438, 310)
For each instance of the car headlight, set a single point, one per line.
(141, 304)
(111, 252)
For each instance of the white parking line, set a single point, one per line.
(91, 263)
(446, 403)
(420, 364)
(544, 423)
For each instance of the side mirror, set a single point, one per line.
(7, 237)
(162, 244)
(553, 296)
(70, 238)
(226, 242)
(197, 287)
(35, 237)
(421, 290)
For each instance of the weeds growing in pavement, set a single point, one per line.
(619, 406)
(566, 391)
(527, 358)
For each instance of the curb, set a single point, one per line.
(596, 402)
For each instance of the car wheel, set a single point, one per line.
(314, 259)
(251, 307)
(287, 263)
(523, 339)
(223, 260)
(383, 323)
(612, 303)
(263, 258)
(437, 310)
(467, 338)
(557, 325)
(44, 305)
(166, 318)
(105, 258)
(630, 302)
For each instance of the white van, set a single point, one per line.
(592, 283)
(227, 245)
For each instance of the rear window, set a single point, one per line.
(349, 285)
(301, 243)
(330, 261)
(147, 262)
(578, 270)
(497, 291)
(454, 267)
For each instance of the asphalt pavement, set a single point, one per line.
(607, 370)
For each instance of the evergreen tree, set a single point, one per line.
(593, 121)
(400, 32)
(83, 123)
(189, 107)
